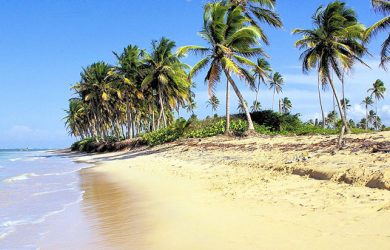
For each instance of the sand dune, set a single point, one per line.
(256, 193)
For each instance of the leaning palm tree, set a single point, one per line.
(367, 103)
(276, 84)
(213, 102)
(256, 106)
(334, 45)
(382, 6)
(232, 40)
(378, 92)
(286, 105)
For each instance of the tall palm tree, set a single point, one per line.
(232, 40)
(261, 73)
(256, 106)
(378, 92)
(129, 73)
(334, 45)
(257, 12)
(213, 102)
(286, 105)
(367, 103)
(166, 78)
(276, 84)
(95, 90)
(382, 6)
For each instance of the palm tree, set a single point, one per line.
(95, 90)
(258, 11)
(261, 72)
(345, 104)
(232, 42)
(276, 84)
(372, 117)
(241, 107)
(166, 78)
(382, 6)
(129, 73)
(333, 45)
(332, 118)
(367, 103)
(256, 106)
(286, 105)
(378, 91)
(213, 102)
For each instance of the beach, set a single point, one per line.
(242, 193)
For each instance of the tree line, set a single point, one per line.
(143, 90)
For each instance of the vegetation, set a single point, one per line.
(134, 101)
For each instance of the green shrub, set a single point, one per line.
(83, 145)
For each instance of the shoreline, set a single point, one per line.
(225, 193)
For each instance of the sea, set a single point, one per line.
(34, 186)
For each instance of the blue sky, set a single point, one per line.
(44, 44)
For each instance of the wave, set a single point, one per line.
(15, 159)
(34, 158)
(21, 177)
(10, 225)
(54, 191)
(62, 173)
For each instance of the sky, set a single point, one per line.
(44, 45)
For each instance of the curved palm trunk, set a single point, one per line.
(345, 125)
(241, 98)
(227, 129)
(320, 98)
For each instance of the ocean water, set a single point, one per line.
(34, 186)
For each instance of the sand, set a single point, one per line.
(251, 193)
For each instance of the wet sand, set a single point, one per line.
(208, 196)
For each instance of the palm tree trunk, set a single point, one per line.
(345, 125)
(347, 129)
(376, 114)
(280, 106)
(162, 108)
(128, 114)
(319, 96)
(273, 100)
(238, 93)
(366, 117)
(227, 129)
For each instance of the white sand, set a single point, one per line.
(207, 197)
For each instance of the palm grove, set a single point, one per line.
(144, 89)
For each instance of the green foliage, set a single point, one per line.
(161, 136)
(213, 127)
(83, 145)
